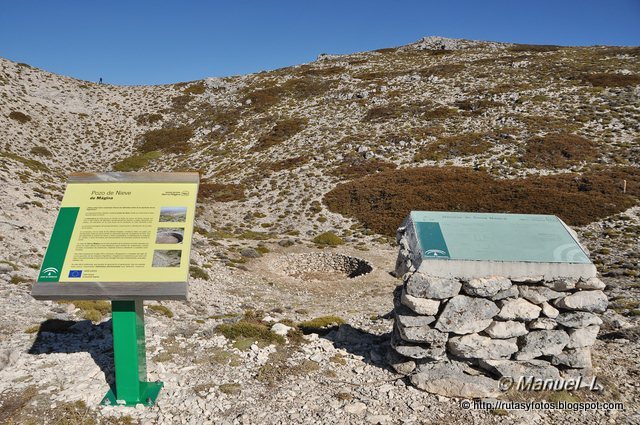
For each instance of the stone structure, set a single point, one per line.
(458, 336)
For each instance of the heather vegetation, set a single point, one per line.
(558, 150)
(283, 130)
(220, 192)
(381, 201)
(170, 140)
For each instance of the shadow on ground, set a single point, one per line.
(68, 336)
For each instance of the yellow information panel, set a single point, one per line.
(122, 232)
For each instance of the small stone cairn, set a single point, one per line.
(458, 337)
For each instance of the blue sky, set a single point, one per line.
(155, 42)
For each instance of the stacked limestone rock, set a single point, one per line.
(456, 337)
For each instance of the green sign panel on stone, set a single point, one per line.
(496, 237)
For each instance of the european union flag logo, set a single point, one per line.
(75, 273)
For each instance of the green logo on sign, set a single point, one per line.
(58, 245)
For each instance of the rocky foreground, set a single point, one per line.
(269, 148)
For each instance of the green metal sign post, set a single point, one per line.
(130, 357)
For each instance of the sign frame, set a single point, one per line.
(120, 291)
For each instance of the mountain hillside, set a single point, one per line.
(324, 157)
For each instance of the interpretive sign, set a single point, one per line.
(121, 235)
(125, 237)
(455, 243)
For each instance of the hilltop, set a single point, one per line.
(327, 156)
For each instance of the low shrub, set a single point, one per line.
(534, 48)
(19, 116)
(283, 130)
(161, 309)
(40, 151)
(254, 331)
(381, 201)
(196, 88)
(455, 146)
(289, 163)
(321, 324)
(558, 150)
(329, 239)
(136, 162)
(612, 80)
(221, 192)
(198, 273)
(171, 140)
(444, 70)
(148, 118)
(356, 166)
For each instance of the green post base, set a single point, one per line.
(130, 358)
(148, 394)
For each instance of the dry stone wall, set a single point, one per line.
(458, 337)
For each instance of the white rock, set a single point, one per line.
(420, 305)
(538, 294)
(549, 310)
(504, 330)
(356, 408)
(578, 358)
(449, 380)
(542, 323)
(566, 284)
(583, 337)
(593, 301)
(464, 315)
(542, 343)
(591, 283)
(517, 368)
(578, 319)
(280, 329)
(518, 309)
(474, 346)
(423, 286)
(486, 286)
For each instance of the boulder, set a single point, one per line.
(507, 293)
(486, 286)
(474, 346)
(449, 380)
(423, 334)
(409, 321)
(593, 301)
(549, 310)
(465, 315)
(416, 351)
(420, 305)
(566, 284)
(541, 343)
(583, 337)
(577, 357)
(504, 330)
(423, 286)
(401, 364)
(538, 294)
(591, 283)
(578, 319)
(518, 309)
(527, 279)
(517, 368)
(542, 323)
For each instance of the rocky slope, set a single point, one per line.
(278, 151)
